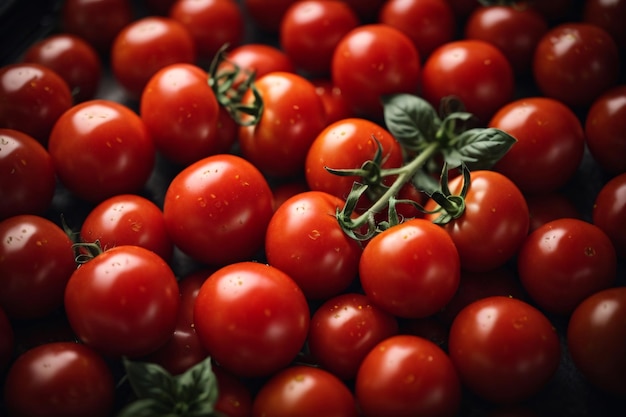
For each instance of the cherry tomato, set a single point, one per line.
(474, 71)
(252, 318)
(234, 396)
(374, 52)
(32, 98)
(425, 273)
(145, 46)
(565, 261)
(575, 63)
(596, 339)
(336, 106)
(344, 329)
(7, 340)
(27, 175)
(267, 16)
(217, 209)
(284, 191)
(36, 261)
(366, 10)
(607, 15)
(609, 212)
(259, 58)
(550, 143)
(304, 391)
(504, 349)
(181, 113)
(107, 141)
(407, 375)
(123, 302)
(61, 379)
(544, 208)
(494, 223)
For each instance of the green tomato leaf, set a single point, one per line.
(410, 119)
(198, 388)
(478, 148)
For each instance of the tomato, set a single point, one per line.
(407, 375)
(366, 10)
(234, 396)
(374, 52)
(59, 379)
(344, 329)
(596, 339)
(32, 98)
(544, 208)
(425, 273)
(550, 143)
(33, 289)
(304, 240)
(145, 46)
(128, 219)
(259, 58)
(609, 212)
(267, 16)
(27, 175)
(606, 14)
(474, 71)
(310, 30)
(563, 262)
(216, 210)
(252, 318)
(123, 302)
(575, 63)
(494, 223)
(605, 127)
(429, 23)
(284, 191)
(516, 31)
(335, 104)
(293, 115)
(7, 340)
(212, 24)
(107, 140)
(504, 349)
(181, 113)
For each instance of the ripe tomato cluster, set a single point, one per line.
(315, 208)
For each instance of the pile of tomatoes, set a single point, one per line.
(294, 208)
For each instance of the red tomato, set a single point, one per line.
(7, 340)
(544, 208)
(267, 15)
(284, 191)
(608, 15)
(304, 391)
(366, 10)
(425, 273)
(36, 261)
(344, 329)
(429, 23)
(504, 349)
(304, 240)
(494, 224)
(59, 379)
(259, 58)
(217, 209)
(609, 212)
(575, 63)
(605, 130)
(310, 30)
(336, 106)
(371, 61)
(27, 175)
(565, 261)
(550, 143)
(407, 375)
(145, 46)
(293, 115)
(252, 318)
(123, 302)
(32, 98)
(234, 396)
(475, 71)
(596, 339)
(181, 113)
(107, 140)
(128, 219)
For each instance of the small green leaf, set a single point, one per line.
(410, 119)
(146, 407)
(150, 380)
(478, 148)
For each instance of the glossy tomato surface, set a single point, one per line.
(609, 212)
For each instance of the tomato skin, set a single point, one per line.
(216, 210)
(234, 396)
(27, 175)
(609, 212)
(59, 379)
(563, 262)
(336, 106)
(494, 207)
(544, 208)
(426, 269)
(504, 349)
(252, 318)
(267, 16)
(104, 138)
(304, 391)
(607, 15)
(33, 289)
(123, 302)
(596, 339)
(7, 340)
(550, 143)
(407, 375)
(344, 329)
(260, 58)
(374, 52)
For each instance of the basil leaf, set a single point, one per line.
(146, 407)
(410, 119)
(150, 380)
(478, 148)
